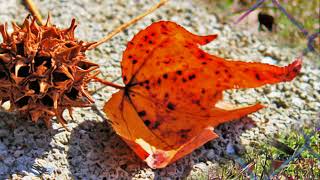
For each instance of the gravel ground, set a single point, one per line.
(92, 150)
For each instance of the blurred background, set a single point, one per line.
(269, 18)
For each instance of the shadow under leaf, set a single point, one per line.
(96, 152)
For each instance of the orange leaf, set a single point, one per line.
(173, 90)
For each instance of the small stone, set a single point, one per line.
(210, 154)
(18, 153)
(297, 102)
(49, 169)
(9, 160)
(6, 105)
(269, 60)
(314, 106)
(4, 169)
(230, 149)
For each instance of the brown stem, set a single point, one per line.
(107, 83)
(34, 10)
(124, 26)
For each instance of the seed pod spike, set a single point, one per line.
(48, 22)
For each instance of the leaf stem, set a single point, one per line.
(108, 83)
(34, 10)
(124, 26)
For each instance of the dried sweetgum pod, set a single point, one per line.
(44, 70)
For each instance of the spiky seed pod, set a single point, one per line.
(44, 70)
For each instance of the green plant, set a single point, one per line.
(294, 155)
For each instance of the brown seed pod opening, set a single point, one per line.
(44, 70)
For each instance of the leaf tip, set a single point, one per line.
(293, 69)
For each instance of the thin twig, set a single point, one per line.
(108, 83)
(291, 18)
(124, 26)
(34, 10)
(254, 7)
(100, 88)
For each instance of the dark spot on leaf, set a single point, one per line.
(129, 56)
(179, 72)
(156, 125)
(142, 113)
(184, 133)
(202, 55)
(150, 42)
(217, 72)
(192, 76)
(164, 33)
(159, 81)
(183, 136)
(204, 63)
(258, 77)
(164, 27)
(147, 122)
(165, 76)
(196, 101)
(166, 95)
(134, 61)
(203, 91)
(184, 80)
(171, 106)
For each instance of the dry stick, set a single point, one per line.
(34, 10)
(108, 83)
(124, 26)
(100, 88)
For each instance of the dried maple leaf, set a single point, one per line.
(170, 103)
